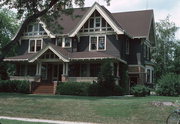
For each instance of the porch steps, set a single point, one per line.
(44, 89)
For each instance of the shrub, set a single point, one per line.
(14, 86)
(73, 88)
(93, 89)
(140, 91)
(168, 85)
(106, 80)
(118, 91)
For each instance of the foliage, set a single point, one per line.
(106, 79)
(93, 89)
(176, 62)
(124, 79)
(168, 85)
(118, 91)
(73, 88)
(140, 90)
(14, 86)
(163, 54)
(8, 27)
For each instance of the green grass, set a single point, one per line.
(109, 110)
(4, 121)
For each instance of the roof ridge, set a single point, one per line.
(132, 11)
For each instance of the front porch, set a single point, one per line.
(58, 71)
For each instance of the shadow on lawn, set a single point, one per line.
(93, 98)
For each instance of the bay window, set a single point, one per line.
(97, 43)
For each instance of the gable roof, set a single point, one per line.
(136, 23)
(58, 51)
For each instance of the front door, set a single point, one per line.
(51, 72)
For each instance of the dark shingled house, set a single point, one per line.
(77, 52)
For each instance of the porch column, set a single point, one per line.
(64, 68)
(117, 70)
(67, 68)
(37, 68)
(64, 77)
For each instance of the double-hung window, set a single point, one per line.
(97, 43)
(64, 42)
(35, 45)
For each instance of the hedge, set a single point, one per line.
(84, 89)
(14, 86)
(73, 88)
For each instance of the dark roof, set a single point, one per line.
(24, 57)
(69, 22)
(64, 53)
(87, 55)
(134, 23)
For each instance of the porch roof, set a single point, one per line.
(64, 55)
(24, 57)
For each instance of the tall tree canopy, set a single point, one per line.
(8, 27)
(166, 44)
(30, 10)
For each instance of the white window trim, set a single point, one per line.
(63, 42)
(35, 45)
(151, 75)
(97, 48)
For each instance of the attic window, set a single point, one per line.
(96, 23)
(34, 29)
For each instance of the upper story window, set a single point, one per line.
(35, 45)
(127, 46)
(147, 52)
(97, 43)
(96, 23)
(64, 42)
(34, 29)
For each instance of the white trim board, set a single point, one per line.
(44, 50)
(97, 7)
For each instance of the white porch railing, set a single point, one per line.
(82, 79)
(28, 78)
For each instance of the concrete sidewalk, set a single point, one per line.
(42, 120)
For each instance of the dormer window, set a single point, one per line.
(64, 42)
(67, 42)
(34, 29)
(97, 43)
(35, 45)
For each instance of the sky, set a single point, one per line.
(162, 8)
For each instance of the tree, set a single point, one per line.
(163, 54)
(30, 10)
(106, 79)
(8, 27)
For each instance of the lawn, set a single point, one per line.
(109, 110)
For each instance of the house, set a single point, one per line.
(77, 52)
